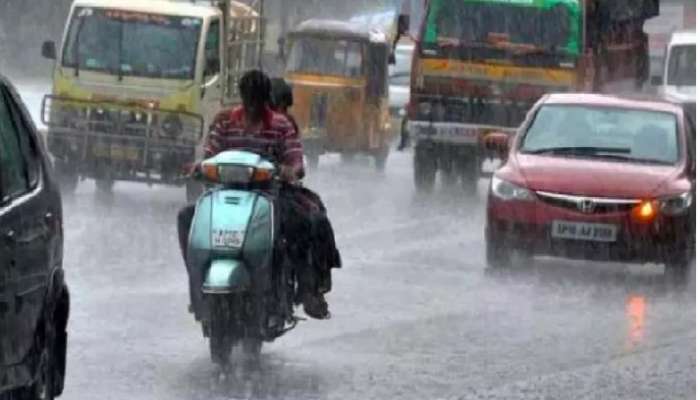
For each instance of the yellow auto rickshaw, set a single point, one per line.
(338, 72)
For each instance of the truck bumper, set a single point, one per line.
(117, 157)
(451, 132)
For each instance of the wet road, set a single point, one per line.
(414, 314)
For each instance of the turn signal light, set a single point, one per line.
(262, 175)
(645, 211)
(211, 172)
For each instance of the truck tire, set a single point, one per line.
(380, 158)
(448, 171)
(312, 159)
(67, 176)
(424, 170)
(104, 186)
(470, 170)
(347, 157)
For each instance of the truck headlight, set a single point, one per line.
(171, 127)
(425, 109)
(676, 205)
(508, 191)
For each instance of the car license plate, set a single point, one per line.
(584, 231)
(115, 152)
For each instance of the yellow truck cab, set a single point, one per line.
(135, 83)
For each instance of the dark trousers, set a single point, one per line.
(309, 235)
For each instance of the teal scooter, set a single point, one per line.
(241, 285)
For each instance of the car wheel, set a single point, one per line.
(498, 256)
(43, 388)
(678, 267)
(67, 176)
(424, 170)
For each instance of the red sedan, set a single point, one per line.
(596, 177)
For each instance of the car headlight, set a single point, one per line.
(505, 190)
(676, 205)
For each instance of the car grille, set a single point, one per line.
(587, 205)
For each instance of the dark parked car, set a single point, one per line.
(34, 298)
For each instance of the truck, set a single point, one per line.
(677, 81)
(480, 65)
(136, 82)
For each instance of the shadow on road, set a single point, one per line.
(271, 377)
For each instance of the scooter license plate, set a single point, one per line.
(227, 239)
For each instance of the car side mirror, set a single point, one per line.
(48, 50)
(404, 24)
(497, 142)
(656, 80)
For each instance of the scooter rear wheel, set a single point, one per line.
(252, 348)
(220, 342)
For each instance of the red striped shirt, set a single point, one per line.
(275, 138)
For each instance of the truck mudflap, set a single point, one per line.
(130, 138)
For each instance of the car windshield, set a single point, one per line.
(326, 56)
(467, 22)
(603, 132)
(132, 44)
(681, 66)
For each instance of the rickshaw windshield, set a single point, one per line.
(326, 57)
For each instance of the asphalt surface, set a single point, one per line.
(415, 315)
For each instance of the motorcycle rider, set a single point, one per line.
(323, 238)
(253, 126)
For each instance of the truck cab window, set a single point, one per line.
(212, 49)
(13, 170)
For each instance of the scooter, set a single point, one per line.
(241, 283)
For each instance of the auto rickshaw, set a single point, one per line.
(338, 72)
